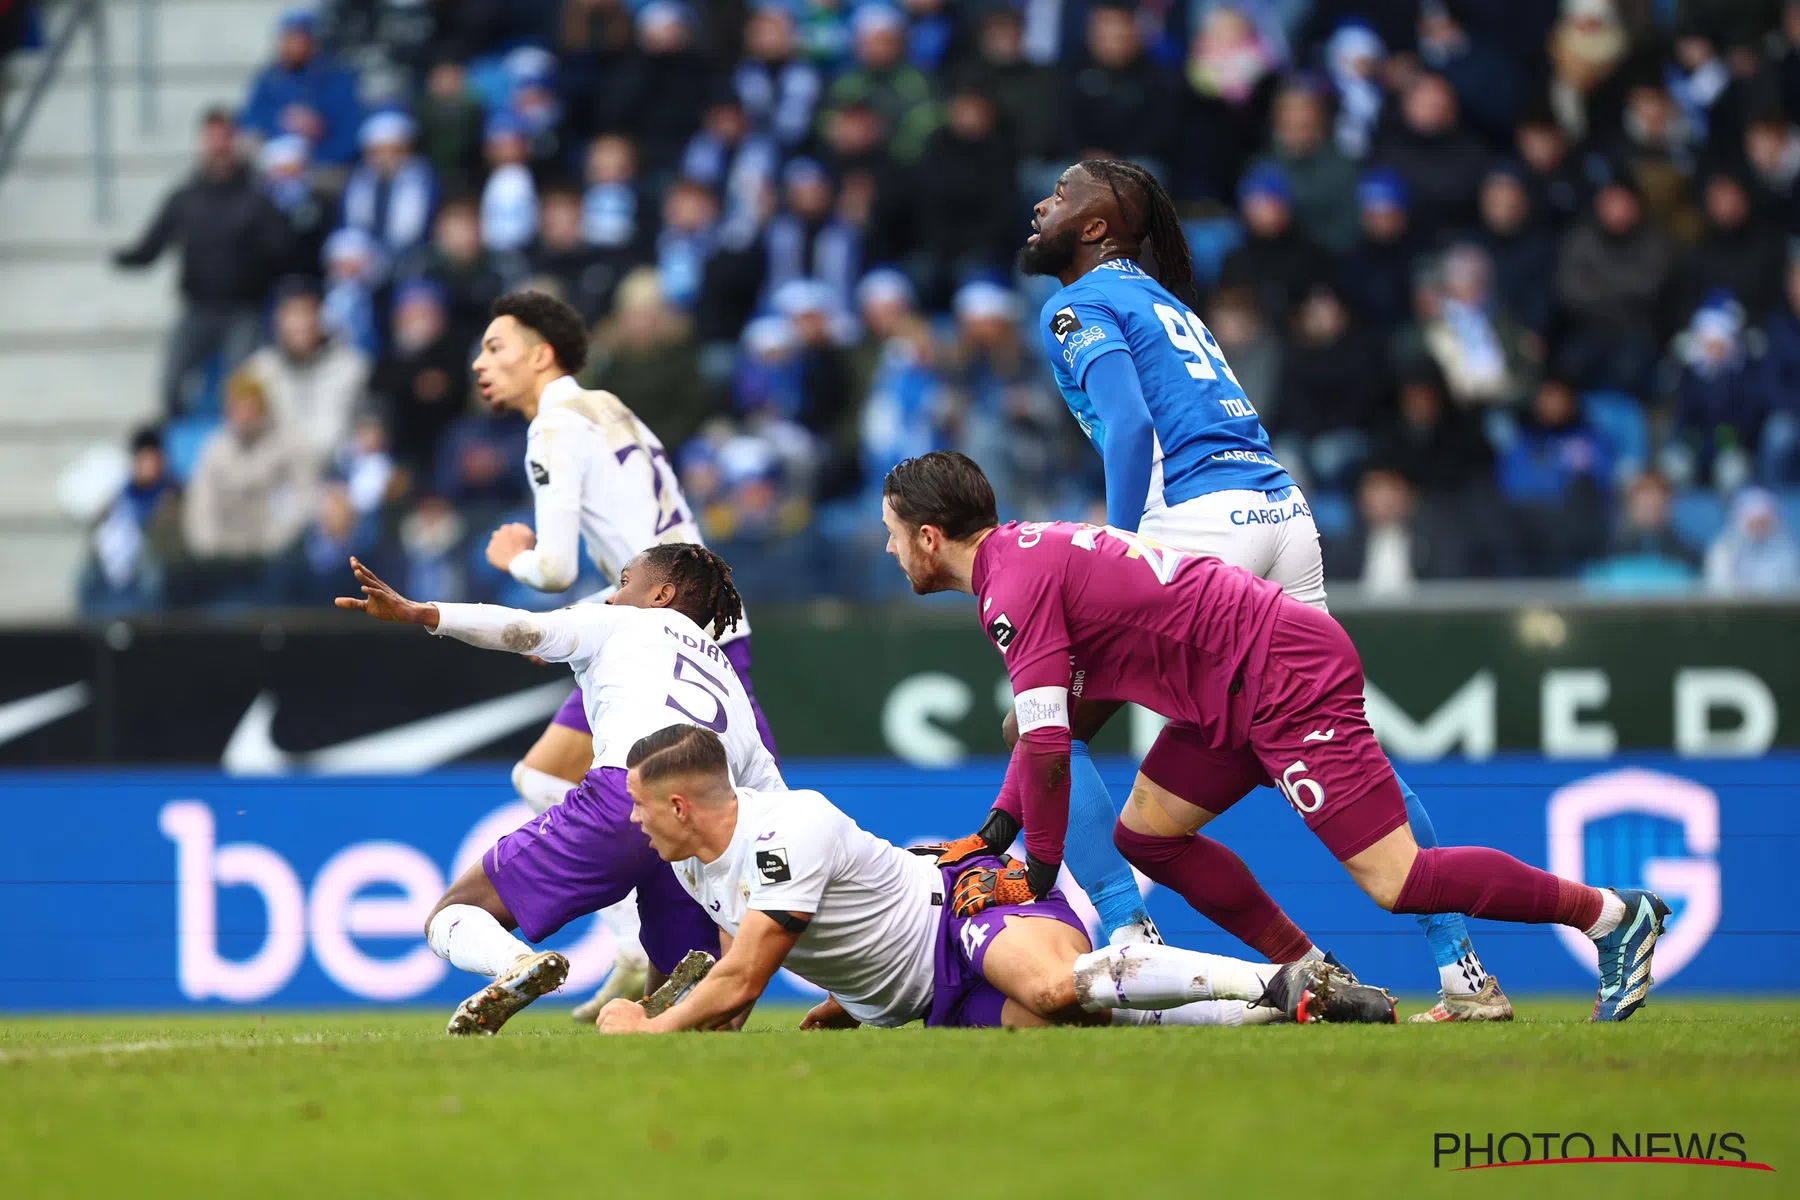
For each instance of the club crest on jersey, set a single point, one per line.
(1064, 322)
(540, 474)
(772, 865)
(1002, 631)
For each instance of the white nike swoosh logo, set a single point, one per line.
(1316, 736)
(415, 746)
(20, 717)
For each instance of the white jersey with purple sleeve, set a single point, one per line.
(640, 670)
(875, 907)
(601, 482)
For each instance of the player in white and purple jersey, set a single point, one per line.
(792, 881)
(600, 481)
(1259, 688)
(1188, 465)
(644, 658)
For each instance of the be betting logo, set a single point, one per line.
(1665, 827)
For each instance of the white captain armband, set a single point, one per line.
(1042, 708)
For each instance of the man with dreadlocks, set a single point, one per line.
(1188, 466)
(644, 658)
(600, 480)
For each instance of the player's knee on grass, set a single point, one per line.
(1381, 870)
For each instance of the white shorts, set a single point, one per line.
(1277, 541)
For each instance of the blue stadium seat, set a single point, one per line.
(182, 439)
(1699, 515)
(1211, 240)
(1620, 420)
(1332, 513)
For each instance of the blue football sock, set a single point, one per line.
(1447, 933)
(1093, 860)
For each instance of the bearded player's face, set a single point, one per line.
(1056, 223)
(916, 561)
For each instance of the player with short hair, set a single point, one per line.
(599, 479)
(792, 881)
(644, 658)
(1187, 464)
(1257, 686)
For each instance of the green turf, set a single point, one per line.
(329, 1105)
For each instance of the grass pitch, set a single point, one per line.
(383, 1104)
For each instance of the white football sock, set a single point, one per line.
(1612, 911)
(1142, 975)
(1201, 1012)
(540, 790)
(472, 939)
(1463, 977)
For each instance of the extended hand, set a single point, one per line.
(623, 1016)
(828, 1014)
(507, 543)
(384, 603)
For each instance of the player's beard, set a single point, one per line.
(1051, 254)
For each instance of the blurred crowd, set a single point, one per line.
(1514, 284)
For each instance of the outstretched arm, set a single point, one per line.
(731, 988)
(565, 635)
(1118, 396)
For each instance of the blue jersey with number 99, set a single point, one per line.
(1208, 435)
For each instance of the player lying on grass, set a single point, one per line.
(794, 882)
(600, 481)
(1189, 465)
(1258, 687)
(643, 659)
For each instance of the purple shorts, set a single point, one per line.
(961, 996)
(584, 855)
(573, 714)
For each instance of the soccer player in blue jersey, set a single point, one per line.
(1188, 465)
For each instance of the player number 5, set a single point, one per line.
(1294, 788)
(702, 687)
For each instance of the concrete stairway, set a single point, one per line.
(80, 342)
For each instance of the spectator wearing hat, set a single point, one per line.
(1555, 476)
(529, 74)
(305, 92)
(1322, 177)
(284, 167)
(1739, 253)
(232, 239)
(354, 271)
(1521, 247)
(137, 536)
(314, 382)
(509, 205)
(1377, 273)
(887, 306)
(392, 194)
(882, 78)
(1588, 48)
(421, 382)
(1755, 555)
(1353, 55)
(1276, 261)
(967, 200)
(252, 489)
(1441, 161)
(1719, 398)
(777, 90)
(450, 126)
(646, 354)
(808, 239)
(1007, 415)
(1613, 269)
